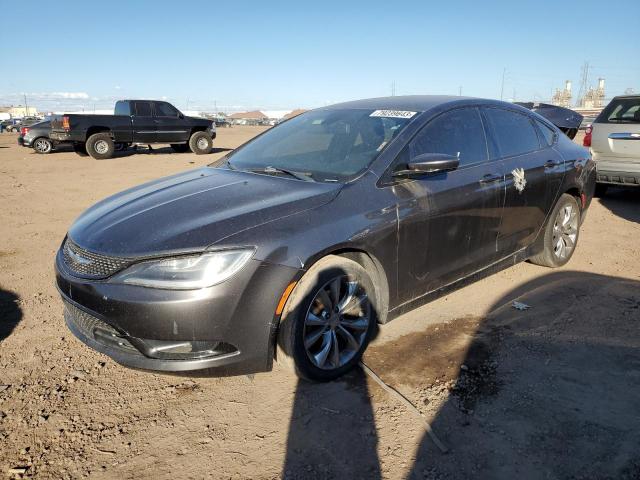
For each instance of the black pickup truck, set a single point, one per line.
(133, 122)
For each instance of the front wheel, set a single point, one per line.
(201, 143)
(42, 145)
(329, 319)
(559, 239)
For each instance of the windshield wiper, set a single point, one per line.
(273, 170)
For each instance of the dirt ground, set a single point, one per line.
(550, 392)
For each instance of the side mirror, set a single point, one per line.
(181, 115)
(429, 163)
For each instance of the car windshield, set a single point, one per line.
(321, 145)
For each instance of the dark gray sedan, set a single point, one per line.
(36, 136)
(319, 228)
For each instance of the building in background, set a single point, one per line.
(255, 117)
(18, 112)
(293, 113)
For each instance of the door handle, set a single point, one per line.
(551, 164)
(490, 178)
(624, 136)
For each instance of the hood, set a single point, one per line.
(564, 118)
(192, 210)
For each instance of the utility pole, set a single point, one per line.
(584, 83)
(504, 72)
(393, 88)
(26, 106)
(460, 91)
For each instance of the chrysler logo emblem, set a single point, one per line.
(78, 258)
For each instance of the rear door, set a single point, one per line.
(448, 221)
(615, 141)
(531, 172)
(144, 123)
(171, 127)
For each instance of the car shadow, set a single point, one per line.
(623, 202)
(160, 150)
(332, 431)
(10, 313)
(547, 392)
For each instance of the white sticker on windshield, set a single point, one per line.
(393, 113)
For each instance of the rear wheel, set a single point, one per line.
(100, 146)
(329, 319)
(201, 143)
(180, 147)
(560, 236)
(42, 145)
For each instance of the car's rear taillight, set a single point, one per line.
(65, 123)
(24, 130)
(586, 141)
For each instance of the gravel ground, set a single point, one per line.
(549, 392)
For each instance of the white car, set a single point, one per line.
(614, 138)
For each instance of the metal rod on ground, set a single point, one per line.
(407, 403)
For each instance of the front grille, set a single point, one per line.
(96, 329)
(91, 265)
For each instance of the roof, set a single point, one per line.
(413, 103)
(255, 115)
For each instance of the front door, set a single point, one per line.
(144, 123)
(448, 221)
(171, 127)
(529, 166)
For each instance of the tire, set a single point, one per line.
(180, 147)
(601, 190)
(100, 146)
(559, 239)
(200, 143)
(42, 145)
(80, 149)
(306, 316)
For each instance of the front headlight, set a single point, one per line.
(186, 273)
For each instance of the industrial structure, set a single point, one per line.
(593, 97)
(562, 98)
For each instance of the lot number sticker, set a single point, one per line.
(393, 113)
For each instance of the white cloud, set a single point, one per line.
(68, 95)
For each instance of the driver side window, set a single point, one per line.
(457, 132)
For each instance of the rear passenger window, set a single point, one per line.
(547, 133)
(458, 132)
(621, 110)
(143, 109)
(514, 132)
(165, 110)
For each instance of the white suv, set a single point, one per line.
(614, 138)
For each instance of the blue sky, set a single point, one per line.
(279, 55)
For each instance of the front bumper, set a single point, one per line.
(126, 321)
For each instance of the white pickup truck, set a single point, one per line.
(614, 138)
